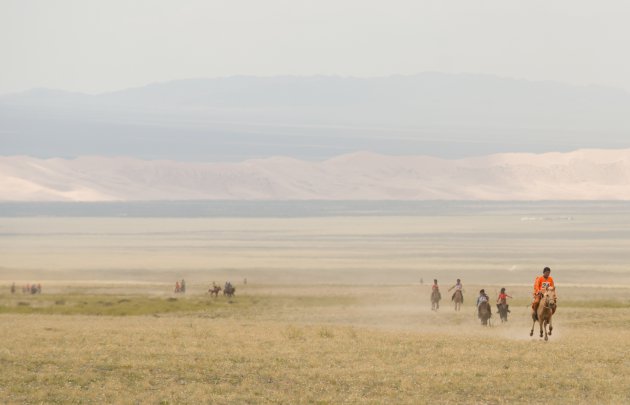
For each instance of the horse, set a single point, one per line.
(458, 299)
(435, 299)
(503, 311)
(229, 290)
(214, 291)
(484, 313)
(545, 311)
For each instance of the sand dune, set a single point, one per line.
(580, 175)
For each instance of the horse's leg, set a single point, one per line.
(540, 322)
(531, 333)
(546, 337)
(550, 327)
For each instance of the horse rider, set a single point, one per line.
(458, 287)
(540, 285)
(435, 289)
(483, 297)
(502, 299)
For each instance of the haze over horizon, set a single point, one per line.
(96, 47)
(214, 82)
(317, 117)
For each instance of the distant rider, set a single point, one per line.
(458, 287)
(436, 288)
(502, 299)
(483, 297)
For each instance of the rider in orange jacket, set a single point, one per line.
(540, 285)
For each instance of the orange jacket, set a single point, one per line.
(541, 283)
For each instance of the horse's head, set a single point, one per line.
(549, 297)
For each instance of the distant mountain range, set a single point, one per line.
(315, 118)
(579, 175)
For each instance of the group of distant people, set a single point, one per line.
(228, 288)
(541, 283)
(28, 288)
(180, 287)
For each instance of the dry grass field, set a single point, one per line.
(333, 310)
(307, 344)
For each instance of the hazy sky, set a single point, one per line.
(97, 46)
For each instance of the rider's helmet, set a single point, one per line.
(482, 291)
(503, 289)
(546, 269)
(435, 280)
(458, 280)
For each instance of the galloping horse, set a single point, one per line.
(229, 290)
(484, 312)
(458, 299)
(503, 311)
(214, 291)
(435, 300)
(546, 308)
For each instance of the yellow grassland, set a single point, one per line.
(333, 310)
(308, 344)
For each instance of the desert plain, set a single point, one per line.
(328, 309)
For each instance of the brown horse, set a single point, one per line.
(503, 311)
(229, 290)
(214, 291)
(435, 299)
(458, 299)
(484, 313)
(546, 309)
